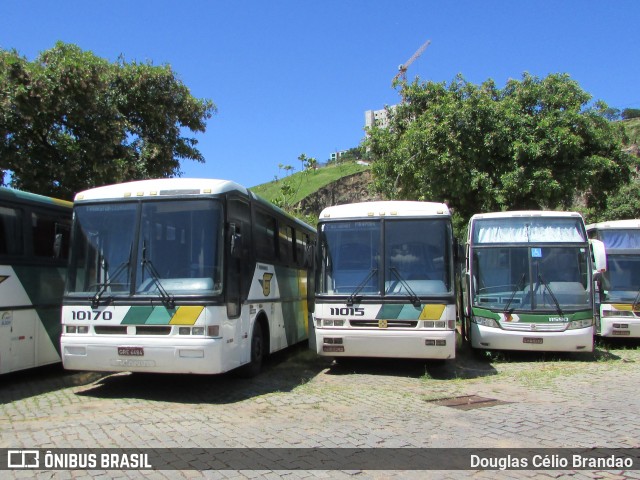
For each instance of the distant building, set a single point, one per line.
(335, 156)
(379, 118)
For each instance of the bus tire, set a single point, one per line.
(254, 366)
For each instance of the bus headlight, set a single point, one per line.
(75, 329)
(330, 323)
(580, 324)
(485, 322)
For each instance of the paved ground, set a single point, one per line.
(301, 400)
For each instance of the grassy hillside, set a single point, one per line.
(632, 127)
(307, 182)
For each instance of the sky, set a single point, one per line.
(291, 77)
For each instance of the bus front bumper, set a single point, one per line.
(201, 356)
(489, 338)
(623, 327)
(386, 344)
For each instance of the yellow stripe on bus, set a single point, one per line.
(432, 312)
(625, 307)
(186, 315)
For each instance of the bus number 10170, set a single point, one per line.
(91, 315)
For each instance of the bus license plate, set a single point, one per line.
(131, 351)
(535, 340)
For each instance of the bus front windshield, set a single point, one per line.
(621, 280)
(147, 248)
(402, 258)
(531, 278)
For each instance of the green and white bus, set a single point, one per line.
(620, 284)
(183, 276)
(34, 244)
(529, 282)
(385, 285)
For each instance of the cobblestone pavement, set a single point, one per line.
(300, 400)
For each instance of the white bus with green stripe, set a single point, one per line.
(529, 282)
(183, 276)
(34, 243)
(620, 284)
(385, 284)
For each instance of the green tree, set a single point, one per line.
(536, 144)
(629, 113)
(70, 120)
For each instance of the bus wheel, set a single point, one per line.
(257, 353)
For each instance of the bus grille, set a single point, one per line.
(110, 330)
(153, 330)
(139, 330)
(390, 323)
(537, 327)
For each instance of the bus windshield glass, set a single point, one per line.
(143, 248)
(621, 281)
(403, 258)
(528, 229)
(531, 278)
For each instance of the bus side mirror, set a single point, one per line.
(599, 255)
(235, 241)
(466, 294)
(57, 245)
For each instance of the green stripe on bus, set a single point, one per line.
(137, 316)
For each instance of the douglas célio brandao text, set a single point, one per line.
(550, 461)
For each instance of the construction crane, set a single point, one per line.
(402, 69)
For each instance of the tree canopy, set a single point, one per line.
(535, 144)
(70, 120)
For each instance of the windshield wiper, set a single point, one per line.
(95, 301)
(411, 294)
(555, 300)
(517, 288)
(146, 263)
(361, 285)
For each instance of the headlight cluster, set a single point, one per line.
(212, 330)
(485, 322)
(450, 324)
(323, 322)
(76, 329)
(580, 324)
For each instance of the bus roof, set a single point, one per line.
(395, 208)
(614, 224)
(526, 213)
(161, 187)
(12, 194)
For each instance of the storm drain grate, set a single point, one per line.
(467, 402)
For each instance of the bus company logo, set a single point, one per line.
(7, 319)
(558, 319)
(266, 284)
(382, 324)
(23, 459)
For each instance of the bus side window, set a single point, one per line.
(11, 239)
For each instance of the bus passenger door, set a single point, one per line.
(239, 268)
(23, 331)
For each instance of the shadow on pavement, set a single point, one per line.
(36, 381)
(282, 372)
